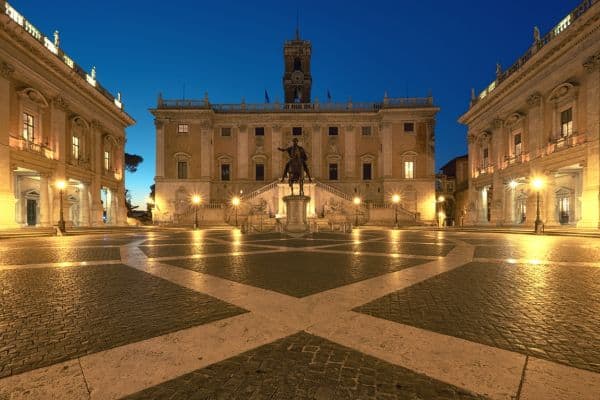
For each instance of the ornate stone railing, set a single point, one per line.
(260, 190)
(539, 43)
(27, 145)
(53, 46)
(565, 142)
(333, 190)
(484, 170)
(388, 103)
(515, 159)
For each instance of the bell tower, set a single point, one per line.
(296, 77)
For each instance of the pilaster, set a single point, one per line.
(84, 200)
(205, 145)
(7, 198)
(276, 165)
(316, 159)
(160, 148)
(387, 149)
(44, 202)
(350, 152)
(242, 152)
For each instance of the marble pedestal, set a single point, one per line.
(296, 222)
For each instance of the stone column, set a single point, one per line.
(7, 196)
(84, 201)
(387, 150)
(44, 201)
(316, 159)
(242, 152)
(160, 148)
(205, 145)
(590, 201)
(97, 152)
(350, 151)
(276, 166)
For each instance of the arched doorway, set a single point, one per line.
(521, 208)
(564, 205)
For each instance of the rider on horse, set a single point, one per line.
(295, 151)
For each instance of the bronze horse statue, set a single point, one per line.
(296, 173)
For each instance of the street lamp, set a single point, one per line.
(396, 200)
(196, 199)
(60, 184)
(538, 184)
(235, 202)
(440, 201)
(356, 202)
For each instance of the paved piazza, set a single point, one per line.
(372, 314)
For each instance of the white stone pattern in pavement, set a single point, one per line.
(485, 370)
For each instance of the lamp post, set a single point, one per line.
(196, 200)
(537, 184)
(440, 201)
(396, 200)
(61, 219)
(356, 202)
(235, 202)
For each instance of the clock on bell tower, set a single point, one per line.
(296, 77)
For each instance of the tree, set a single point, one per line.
(132, 161)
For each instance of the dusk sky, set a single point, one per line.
(233, 49)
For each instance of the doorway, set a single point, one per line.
(31, 212)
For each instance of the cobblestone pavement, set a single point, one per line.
(545, 311)
(48, 315)
(217, 314)
(295, 273)
(303, 366)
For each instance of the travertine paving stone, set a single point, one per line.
(296, 273)
(303, 366)
(191, 249)
(49, 315)
(545, 311)
(398, 247)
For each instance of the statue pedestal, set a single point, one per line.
(296, 222)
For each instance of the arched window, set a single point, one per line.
(409, 165)
(182, 164)
(297, 64)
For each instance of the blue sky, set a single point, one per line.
(233, 49)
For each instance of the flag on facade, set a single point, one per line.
(328, 95)
(266, 97)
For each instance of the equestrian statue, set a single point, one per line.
(295, 166)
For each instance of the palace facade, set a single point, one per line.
(58, 126)
(365, 150)
(539, 122)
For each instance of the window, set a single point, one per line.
(333, 131)
(518, 147)
(28, 126)
(183, 128)
(225, 172)
(297, 131)
(409, 127)
(409, 169)
(566, 123)
(260, 172)
(259, 131)
(333, 172)
(75, 149)
(182, 169)
(486, 154)
(366, 167)
(106, 160)
(366, 131)
(225, 131)
(450, 187)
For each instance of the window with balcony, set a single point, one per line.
(366, 131)
(260, 172)
(259, 131)
(297, 131)
(225, 172)
(333, 172)
(75, 148)
(409, 170)
(566, 123)
(28, 127)
(409, 127)
(517, 145)
(183, 128)
(182, 170)
(333, 131)
(106, 160)
(226, 132)
(485, 157)
(367, 171)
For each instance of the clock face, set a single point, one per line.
(297, 76)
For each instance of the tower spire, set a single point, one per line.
(297, 24)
